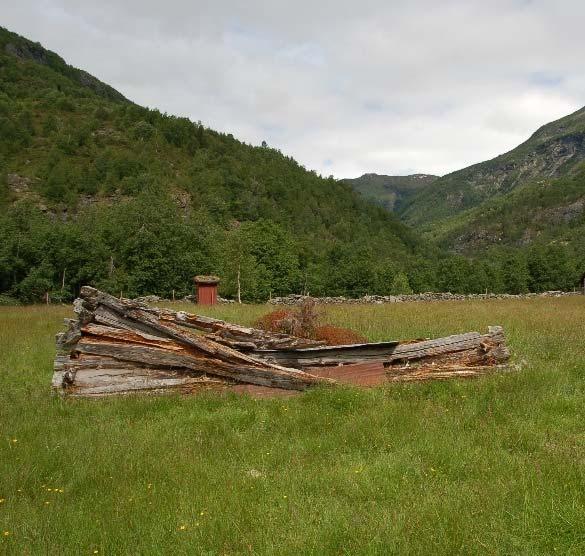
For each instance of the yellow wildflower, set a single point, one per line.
(6, 533)
(47, 503)
(2, 500)
(14, 440)
(182, 527)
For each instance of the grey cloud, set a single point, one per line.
(344, 87)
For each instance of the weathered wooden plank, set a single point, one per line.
(129, 336)
(441, 373)
(108, 317)
(126, 382)
(263, 376)
(439, 346)
(222, 331)
(329, 355)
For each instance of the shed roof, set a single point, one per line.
(206, 279)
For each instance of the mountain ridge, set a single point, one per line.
(554, 150)
(390, 192)
(25, 49)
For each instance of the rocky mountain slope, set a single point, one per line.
(390, 192)
(546, 211)
(554, 151)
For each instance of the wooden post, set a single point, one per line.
(239, 286)
(47, 298)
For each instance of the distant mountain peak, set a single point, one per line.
(26, 50)
(391, 192)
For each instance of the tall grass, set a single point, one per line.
(490, 466)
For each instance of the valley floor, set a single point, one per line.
(488, 466)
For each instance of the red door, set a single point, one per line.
(206, 294)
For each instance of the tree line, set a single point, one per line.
(146, 246)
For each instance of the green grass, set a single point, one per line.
(490, 466)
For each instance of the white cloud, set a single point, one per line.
(344, 87)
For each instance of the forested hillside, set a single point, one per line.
(97, 190)
(390, 192)
(554, 151)
(527, 205)
(542, 212)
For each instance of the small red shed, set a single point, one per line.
(206, 287)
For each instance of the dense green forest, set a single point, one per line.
(97, 190)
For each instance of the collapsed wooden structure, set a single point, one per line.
(119, 346)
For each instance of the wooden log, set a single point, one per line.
(94, 382)
(222, 332)
(470, 347)
(148, 319)
(65, 341)
(155, 356)
(136, 336)
(107, 317)
(236, 335)
(439, 346)
(428, 372)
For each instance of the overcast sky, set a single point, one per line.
(345, 87)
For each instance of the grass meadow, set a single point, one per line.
(488, 466)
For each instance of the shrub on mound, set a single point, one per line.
(276, 321)
(336, 336)
(303, 322)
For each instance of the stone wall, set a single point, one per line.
(428, 296)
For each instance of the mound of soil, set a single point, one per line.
(303, 324)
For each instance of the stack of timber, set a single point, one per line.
(117, 346)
